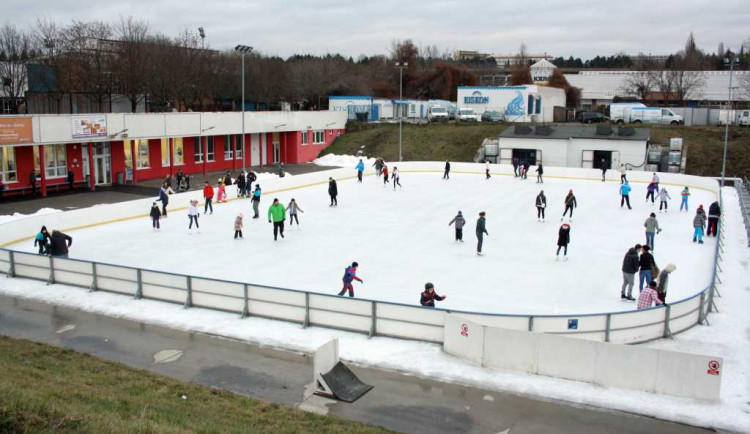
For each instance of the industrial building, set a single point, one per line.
(529, 103)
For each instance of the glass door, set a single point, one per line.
(102, 164)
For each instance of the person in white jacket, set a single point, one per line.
(487, 169)
(193, 214)
(663, 198)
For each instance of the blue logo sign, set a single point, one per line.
(572, 324)
(515, 107)
(476, 98)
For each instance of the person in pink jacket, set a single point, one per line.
(649, 296)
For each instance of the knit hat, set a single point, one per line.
(355, 264)
(571, 191)
(459, 213)
(428, 285)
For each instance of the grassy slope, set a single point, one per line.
(460, 143)
(48, 389)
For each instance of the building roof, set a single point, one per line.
(543, 64)
(609, 84)
(562, 132)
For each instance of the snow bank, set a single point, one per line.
(343, 160)
(16, 216)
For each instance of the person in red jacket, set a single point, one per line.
(208, 195)
(350, 275)
(429, 296)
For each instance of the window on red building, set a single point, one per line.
(8, 171)
(210, 156)
(319, 137)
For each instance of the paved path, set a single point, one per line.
(397, 402)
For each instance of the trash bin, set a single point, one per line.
(120, 178)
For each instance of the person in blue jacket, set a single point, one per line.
(350, 275)
(42, 240)
(625, 193)
(256, 200)
(360, 170)
(164, 193)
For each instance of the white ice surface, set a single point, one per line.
(727, 336)
(15, 216)
(401, 240)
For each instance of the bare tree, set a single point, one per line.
(131, 64)
(665, 81)
(686, 83)
(89, 52)
(522, 56)
(639, 84)
(16, 50)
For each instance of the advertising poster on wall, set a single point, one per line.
(87, 127)
(14, 131)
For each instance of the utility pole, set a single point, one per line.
(731, 61)
(401, 66)
(243, 49)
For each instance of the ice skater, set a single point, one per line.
(646, 264)
(222, 195)
(603, 165)
(650, 191)
(208, 197)
(42, 239)
(655, 180)
(541, 204)
(350, 275)
(487, 169)
(293, 208)
(256, 200)
(663, 281)
(238, 225)
(59, 243)
(481, 230)
(396, 178)
(539, 173)
(240, 183)
(699, 223)
(515, 167)
(625, 194)
(429, 296)
(333, 191)
(446, 174)
(277, 215)
(663, 198)
(459, 221)
(164, 193)
(623, 173)
(379, 163)
(526, 166)
(360, 170)
(714, 212)
(193, 214)
(384, 171)
(629, 268)
(685, 196)
(155, 216)
(652, 228)
(649, 297)
(251, 177)
(563, 239)
(570, 203)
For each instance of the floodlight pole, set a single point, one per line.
(243, 49)
(731, 61)
(401, 66)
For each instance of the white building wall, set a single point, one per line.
(553, 152)
(513, 101)
(569, 153)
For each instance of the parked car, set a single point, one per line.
(591, 117)
(466, 115)
(744, 119)
(437, 113)
(493, 116)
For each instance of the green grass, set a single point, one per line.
(460, 142)
(48, 389)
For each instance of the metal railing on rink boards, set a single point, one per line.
(375, 318)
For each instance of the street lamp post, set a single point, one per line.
(244, 49)
(401, 66)
(731, 61)
(202, 34)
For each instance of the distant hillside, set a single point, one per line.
(459, 142)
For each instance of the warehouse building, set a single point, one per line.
(116, 148)
(530, 103)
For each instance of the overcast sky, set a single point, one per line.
(582, 28)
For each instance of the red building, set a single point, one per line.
(105, 149)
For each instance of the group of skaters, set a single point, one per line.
(52, 244)
(381, 169)
(427, 298)
(652, 282)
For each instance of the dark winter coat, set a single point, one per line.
(541, 200)
(428, 299)
(60, 243)
(447, 166)
(227, 180)
(32, 178)
(241, 181)
(570, 200)
(333, 190)
(630, 263)
(714, 210)
(163, 196)
(526, 166)
(664, 278)
(481, 227)
(459, 221)
(251, 177)
(646, 261)
(563, 235)
(155, 213)
(540, 170)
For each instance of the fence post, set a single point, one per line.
(51, 279)
(93, 277)
(139, 288)
(189, 298)
(667, 314)
(12, 266)
(531, 323)
(606, 331)
(244, 306)
(700, 308)
(374, 319)
(307, 310)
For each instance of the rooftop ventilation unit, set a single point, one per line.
(522, 130)
(543, 130)
(626, 131)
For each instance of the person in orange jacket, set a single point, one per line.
(208, 195)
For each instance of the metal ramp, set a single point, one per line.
(334, 379)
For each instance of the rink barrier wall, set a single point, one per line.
(604, 364)
(372, 317)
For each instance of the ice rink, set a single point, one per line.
(401, 240)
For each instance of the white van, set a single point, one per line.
(437, 113)
(466, 115)
(638, 113)
(744, 118)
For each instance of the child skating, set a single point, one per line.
(685, 196)
(350, 275)
(663, 198)
(396, 178)
(238, 225)
(563, 239)
(384, 172)
(293, 208)
(459, 221)
(155, 216)
(193, 214)
(541, 204)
